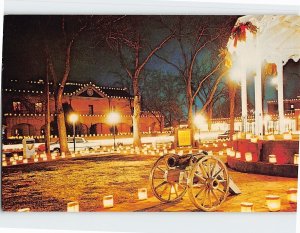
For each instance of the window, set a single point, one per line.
(91, 110)
(16, 106)
(38, 107)
(292, 106)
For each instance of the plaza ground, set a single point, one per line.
(49, 186)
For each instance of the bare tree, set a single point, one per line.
(160, 96)
(199, 41)
(134, 48)
(58, 50)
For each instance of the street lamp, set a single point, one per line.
(199, 121)
(74, 118)
(114, 118)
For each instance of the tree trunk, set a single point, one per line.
(136, 112)
(232, 92)
(62, 133)
(47, 116)
(189, 97)
(209, 116)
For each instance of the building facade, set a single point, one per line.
(270, 119)
(24, 108)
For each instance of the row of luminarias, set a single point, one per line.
(273, 202)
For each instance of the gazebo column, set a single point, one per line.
(244, 99)
(280, 96)
(258, 101)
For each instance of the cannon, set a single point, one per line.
(204, 177)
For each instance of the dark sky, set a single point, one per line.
(23, 56)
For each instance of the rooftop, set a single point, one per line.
(71, 88)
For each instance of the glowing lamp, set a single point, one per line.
(272, 159)
(73, 207)
(180, 152)
(271, 137)
(142, 194)
(25, 160)
(14, 162)
(232, 153)
(24, 210)
(248, 135)
(246, 207)
(108, 201)
(113, 118)
(273, 203)
(292, 195)
(228, 150)
(238, 155)
(73, 118)
(254, 140)
(36, 160)
(287, 136)
(296, 158)
(248, 156)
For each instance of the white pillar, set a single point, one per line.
(258, 101)
(244, 99)
(280, 96)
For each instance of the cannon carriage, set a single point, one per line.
(204, 177)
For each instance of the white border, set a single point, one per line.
(151, 222)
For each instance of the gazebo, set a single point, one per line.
(257, 42)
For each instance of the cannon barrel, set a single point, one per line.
(177, 160)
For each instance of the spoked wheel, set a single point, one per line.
(167, 184)
(208, 183)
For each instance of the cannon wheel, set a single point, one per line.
(208, 183)
(164, 190)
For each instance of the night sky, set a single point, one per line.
(23, 57)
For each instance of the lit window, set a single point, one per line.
(16, 106)
(38, 107)
(292, 106)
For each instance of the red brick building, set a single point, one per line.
(24, 107)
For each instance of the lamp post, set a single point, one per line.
(113, 119)
(199, 121)
(74, 118)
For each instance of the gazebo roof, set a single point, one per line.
(277, 39)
